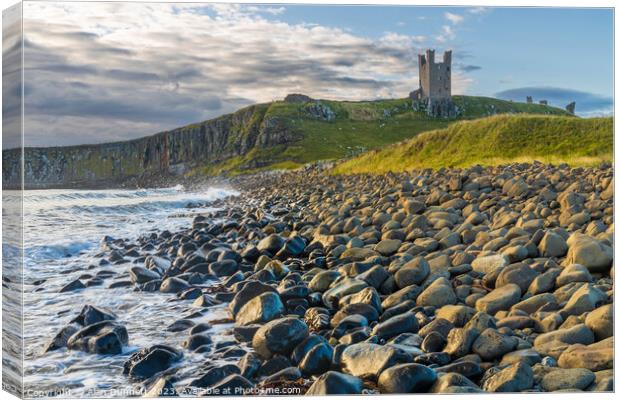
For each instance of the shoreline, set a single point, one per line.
(456, 280)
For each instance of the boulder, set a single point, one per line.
(437, 294)
(368, 360)
(600, 321)
(333, 382)
(491, 345)
(576, 334)
(263, 308)
(595, 357)
(398, 324)
(250, 290)
(173, 285)
(105, 337)
(499, 299)
(564, 379)
(489, 263)
(514, 378)
(279, 336)
(412, 273)
(149, 361)
(552, 245)
(406, 378)
(591, 253)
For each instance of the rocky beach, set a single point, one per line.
(484, 279)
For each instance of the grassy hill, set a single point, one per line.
(354, 128)
(492, 141)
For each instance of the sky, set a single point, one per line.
(101, 72)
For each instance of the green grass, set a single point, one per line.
(358, 127)
(492, 141)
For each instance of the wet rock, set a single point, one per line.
(437, 294)
(214, 375)
(573, 273)
(514, 378)
(412, 273)
(281, 377)
(263, 308)
(342, 288)
(451, 382)
(232, 385)
(406, 378)
(552, 245)
(271, 244)
(142, 275)
(196, 341)
(591, 253)
(249, 365)
(279, 336)
(603, 381)
(584, 299)
(61, 338)
(173, 285)
(149, 361)
(519, 274)
(333, 382)
(91, 314)
(322, 280)
(491, 344)
(223, 268)
(433, 342)
(406, 322)
(499, 299)
(400, 296)
(469, 369)
(72, 286)
(317, 360)
(457, 315)
(595, 357)
(161, 388)
(368, 360)
(577, 334)
(571, 378)
(250, 290)
(528, 356)
(460, 341)
(600, 321)
(488, 264)
(205, 300)
(105, 337)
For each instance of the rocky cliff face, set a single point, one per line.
(166, 153)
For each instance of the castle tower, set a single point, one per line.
(435, 78)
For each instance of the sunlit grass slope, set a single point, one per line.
(356, 128)
(492, 141)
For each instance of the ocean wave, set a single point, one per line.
(57, 251)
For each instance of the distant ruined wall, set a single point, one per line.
(167, 153)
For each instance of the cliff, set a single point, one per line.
(167, 153)
(281, 134)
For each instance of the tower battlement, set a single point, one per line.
(435, 78)
(435, 91)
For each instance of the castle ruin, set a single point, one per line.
(435, 79)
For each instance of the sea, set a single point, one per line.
(62, 233)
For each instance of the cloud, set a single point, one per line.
(135, 69)
(478, 10)
(588, 104)
(468, 67)
(454, 18)
(447, 33)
